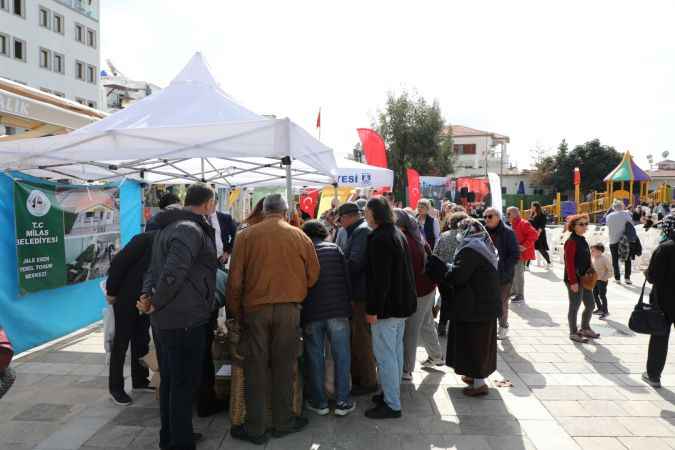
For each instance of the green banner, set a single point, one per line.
(64, 234)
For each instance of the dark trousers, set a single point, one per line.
(180, 364)
(600, 296)
(270, 344)
(364, 371)
(544, 253)
(576, 299)
(656, 357)
(206, 392)
(130, 327)
(614, 248)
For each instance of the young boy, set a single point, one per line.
(603, 267)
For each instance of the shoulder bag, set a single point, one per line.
(648, 318)
(589, 279)
(6, 350)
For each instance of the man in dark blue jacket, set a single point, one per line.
(354, 247)
(179, 293)
(507, 245)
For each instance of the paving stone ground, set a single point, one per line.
(565, 396)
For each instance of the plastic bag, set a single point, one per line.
(108, 328)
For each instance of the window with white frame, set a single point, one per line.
(19, 7)
(4, 44)
(60, 94)
(45, 58)
(58, 23)
(79, 33)
(44, 17)
(81, 101)
(91, 104)
(20, 49)
(59, 65)
(79, 70)
(91, 74)
(48, 91)
(91, 37)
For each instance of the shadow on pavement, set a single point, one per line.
(534, 317)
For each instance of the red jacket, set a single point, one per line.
(526, 235)
(423, 284)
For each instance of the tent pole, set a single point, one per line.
(286, 161)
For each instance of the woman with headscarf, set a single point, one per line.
(661, 273)
(422, 320)
(472, 348)
(445, 251)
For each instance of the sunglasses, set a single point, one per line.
(582, 224)
(488, 216)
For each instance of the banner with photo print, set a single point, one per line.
(65, 234)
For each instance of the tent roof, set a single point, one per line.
(168, 134)
(627, 170)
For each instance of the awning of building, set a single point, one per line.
(40, 113)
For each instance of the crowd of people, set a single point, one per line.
(359, 284)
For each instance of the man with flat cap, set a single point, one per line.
(364, 375)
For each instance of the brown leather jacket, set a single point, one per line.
(272, 262)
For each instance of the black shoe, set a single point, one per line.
(383, 411)
(378, 399)
(121, 398)
(211, 408)
(298, 424)
(239, 432)
(145, 387)
(518, 299)
(597, 312)
(358, 391)
(196, 437)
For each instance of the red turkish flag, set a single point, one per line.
(413, 187)
(577, 176)
(373, 147)
(309, 200)
(318, 119)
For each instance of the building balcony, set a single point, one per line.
(82, 6)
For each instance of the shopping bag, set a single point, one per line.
(108, 328)
(648, 318)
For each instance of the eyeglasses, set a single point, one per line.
(489, 216)
(582, 224)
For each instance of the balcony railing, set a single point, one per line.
(82, 7)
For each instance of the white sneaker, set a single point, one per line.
(432, 363)
(502, 333)
(407, 376)
(320, 411)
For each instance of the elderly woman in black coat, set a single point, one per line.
(472, 348)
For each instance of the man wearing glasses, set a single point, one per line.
(526, 236)
(505, 241)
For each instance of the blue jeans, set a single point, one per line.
(338, 333)
(388, 350)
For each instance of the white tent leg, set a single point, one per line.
(289, 186)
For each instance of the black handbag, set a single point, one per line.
(648, 318)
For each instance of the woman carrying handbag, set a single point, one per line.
(579, 279)
(7, 375)
(660, 274)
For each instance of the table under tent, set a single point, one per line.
(192, 131)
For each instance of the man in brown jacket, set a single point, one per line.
(273, 265)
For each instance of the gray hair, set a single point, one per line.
(424, 202)
(275, 204)
(618, 205)
(512, 209)
(493, 210)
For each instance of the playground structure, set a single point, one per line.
(626, 173)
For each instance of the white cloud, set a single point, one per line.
(536, 71)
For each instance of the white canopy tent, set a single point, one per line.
(190, 131)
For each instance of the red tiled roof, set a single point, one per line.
(77, 201)
(462, 131)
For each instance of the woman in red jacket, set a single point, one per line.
(577, 263)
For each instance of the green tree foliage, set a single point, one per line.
(593, 159)
(415, 134)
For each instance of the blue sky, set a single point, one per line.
(536, 71)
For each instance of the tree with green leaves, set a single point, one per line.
(593, 159)
(416, 137)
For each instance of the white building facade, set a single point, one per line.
(477, 152)
(52, 45)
